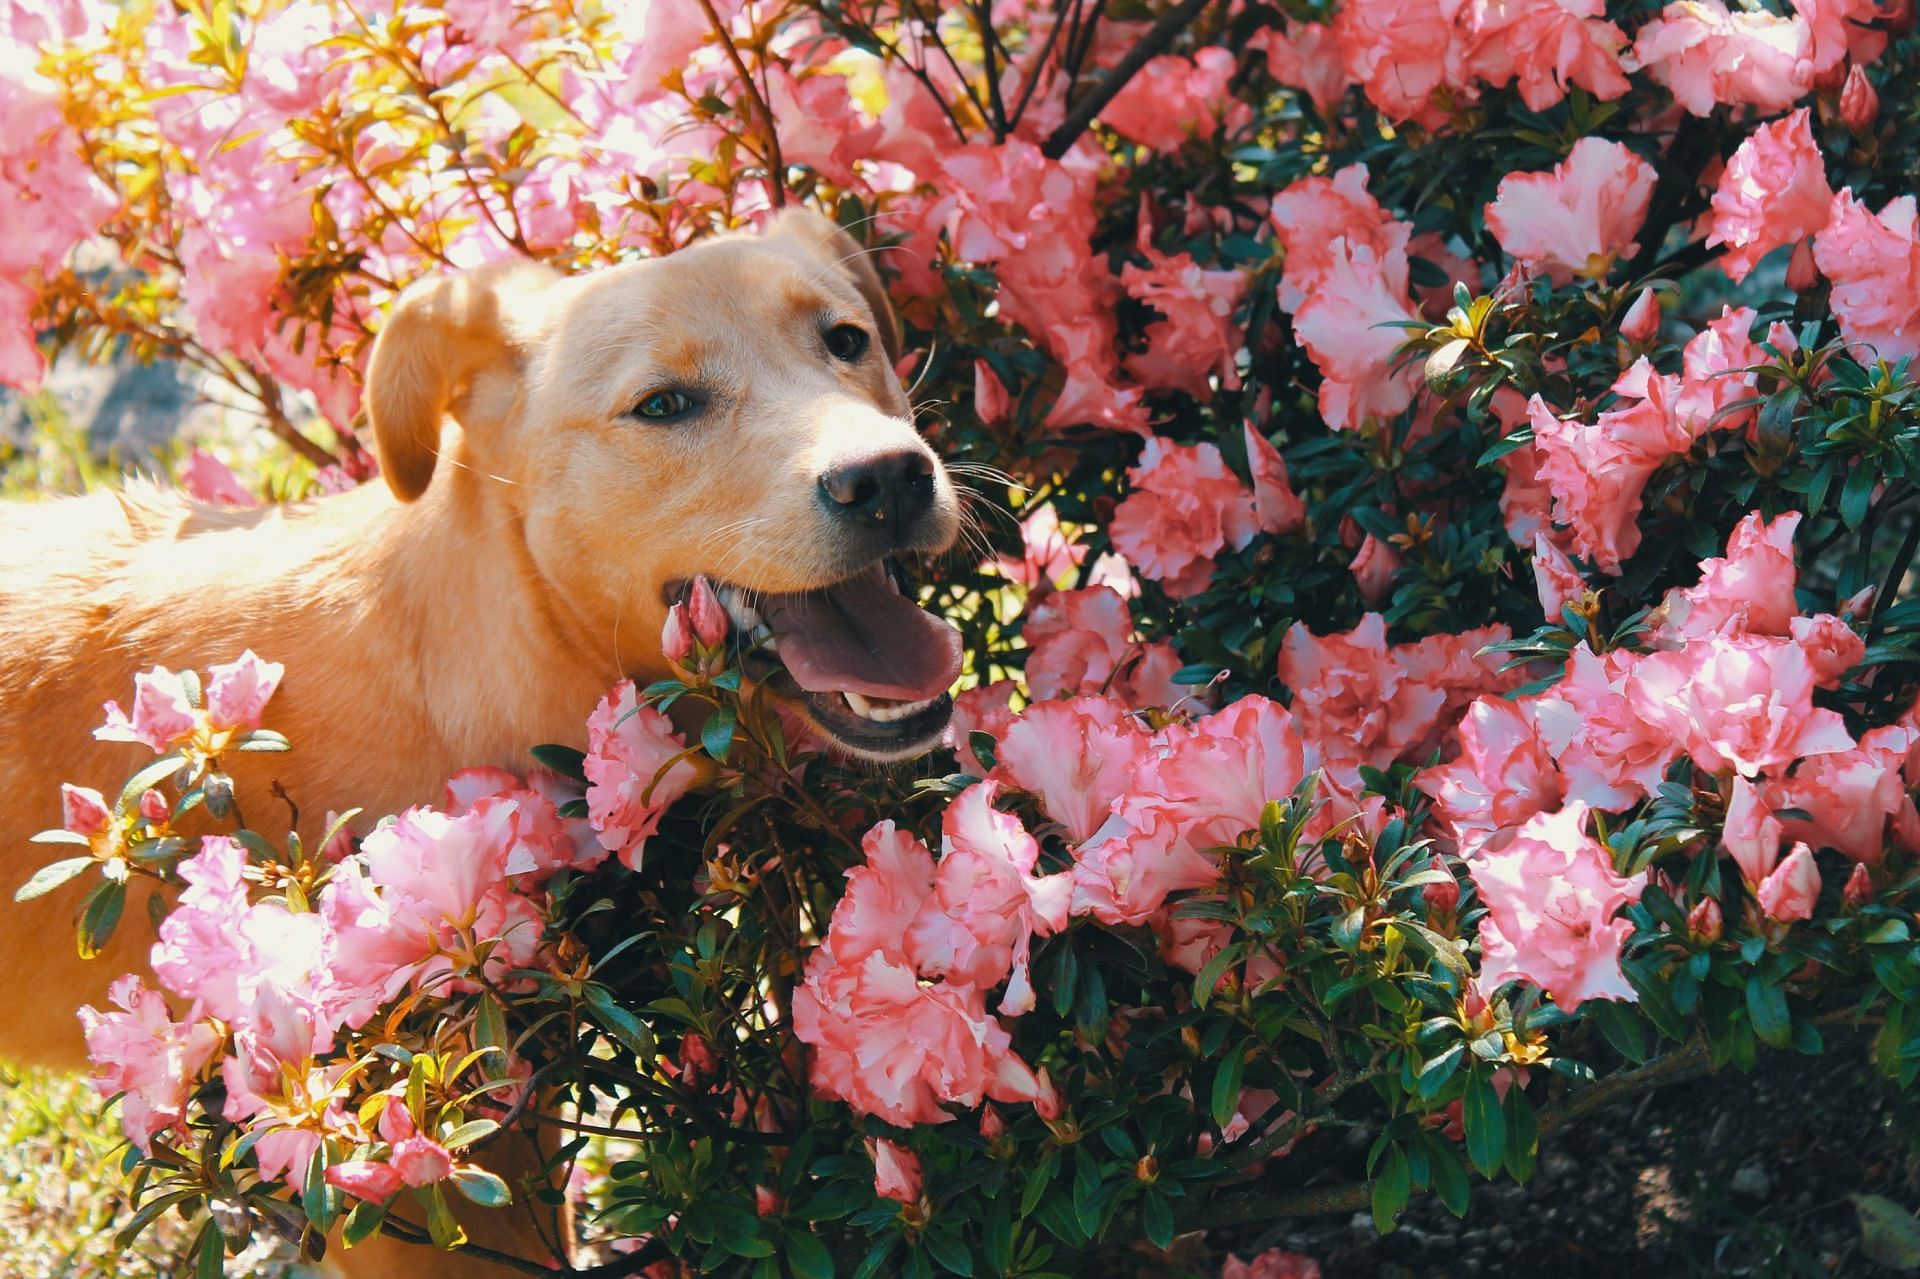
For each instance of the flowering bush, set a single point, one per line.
(1442, 481)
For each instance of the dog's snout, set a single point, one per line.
(890, 490)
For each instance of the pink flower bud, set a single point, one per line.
(1831, 79)
(1859, 889)
(154, 807)
(1373, 568)
(676, 636)
(1859, 604)
(1790, 892)
(420, 1161)
(697, 1062)
(1859, 104)
(1802, 272)
(1442, 898)
(1048, 1104)
(396, 1122)
(365, 1179)
(1704, 920)
(708, 615)
(767, 1201)
(992, 1126)
(1641, 323)
(896, 1172)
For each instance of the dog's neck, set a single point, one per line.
(461, 614)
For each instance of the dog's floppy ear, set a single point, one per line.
(834, 247)
(443, 332)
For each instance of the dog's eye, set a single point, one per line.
(664, 406)
(846, 342)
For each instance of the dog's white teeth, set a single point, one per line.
(884, 712)
(744, 615)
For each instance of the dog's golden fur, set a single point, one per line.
(514, 571)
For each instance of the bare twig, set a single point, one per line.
(776, 167)
(1151, 45)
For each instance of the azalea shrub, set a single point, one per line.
(1437, 650)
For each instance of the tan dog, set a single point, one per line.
(731, 410)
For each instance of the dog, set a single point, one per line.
(562, 456)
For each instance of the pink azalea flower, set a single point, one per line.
(1217, 776)
(367, 1179)
(1578, 218)
(1555, 579)
(987, 903)
(236, 696)
(1075, 755)
(1773, 191)
(1848, 797)
(1348, 324)
(422, 894)
(1186, 506)
(1610, 756)
(1352, 701)
(1399, 51)
(1873, 261)
(1305, 56)
(1714, 374)
(1313, 214)
(421, 1161)
(1505, 775)
(1050, 553)
(892, 1046)
(1750, 591)
(83, 810)
(1793, 889)
(1736, 702)
(883, 896)
(896, 1172)
(1548, 45)
(1709, 56)
(1079, 641)
(1595, 472)
(986, 709)
(1752, 834)
(1276, 507)
(1274, 1263)
(633, 771)
(213, 481)
(1553, 898)
(1831, 644)
(542, 841)
(1173, 98)
(1133, 863)
(1198, 339)
(138, 1049)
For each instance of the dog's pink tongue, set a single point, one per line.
(863, 636)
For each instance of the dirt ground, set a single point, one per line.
(1729, 1175)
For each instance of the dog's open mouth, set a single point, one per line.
(868, 665)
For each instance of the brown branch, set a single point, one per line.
(1151, 45)
(776, 167)
(266, 392)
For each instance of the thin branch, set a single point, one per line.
(1151, 45)
(1036, 69)
(776, 167)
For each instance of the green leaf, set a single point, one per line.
(1391, 1189)
(145, 780)
(441, 1225)
(468, 1133)
(985, 748)
(51, 876)
(564, 760)
(1622, 1026)
(807, 1257)
(1889, 1234)
(1226, 1087)
(1449, 1179)
(99, 916)
(212, 1259)
(481, 1186)
(1209, 978)
(1156, 1217)
(362, 1222)
(1767, 1006)
(947, 1248)
(717, 736)
(1523, 1134)
(1485, 1124)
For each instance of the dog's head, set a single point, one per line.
(730, 411)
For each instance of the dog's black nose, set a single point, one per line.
(886, 491)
